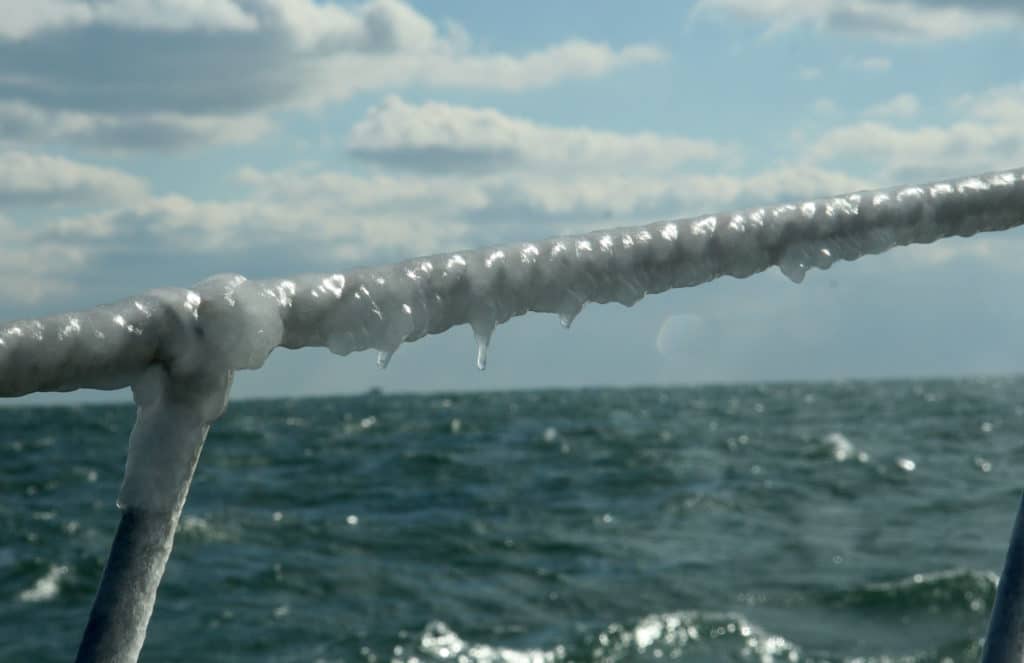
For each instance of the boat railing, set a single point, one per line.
(178, 348)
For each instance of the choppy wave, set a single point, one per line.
(842, 449)
(46, 588)
(685, 635)
(193, 528)
(940, 591)
(729, 523)
(682, 635)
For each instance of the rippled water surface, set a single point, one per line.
(826, 522)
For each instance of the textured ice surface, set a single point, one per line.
(173, 417)
(172, 420)
(227, 322)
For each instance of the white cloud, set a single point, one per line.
(569, 59)
(383, 25)
(360, 194)
(897, 20)
(23, 123)
(40, 179)
(542, 181)
(1001, 105)
(798, 182)
(486, 176)
(294, 230)
(963, 146)
(304, 217)
(137, 85)
(338, 77)
(588, 202)
(474, 176)
(22, 19)
(25, 19)
(900, 106)
(988, 135)
(438, 136)
(33, 267)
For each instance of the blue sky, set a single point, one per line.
(147, 143)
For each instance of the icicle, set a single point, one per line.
(793, 268)
(628, 291)
(384, 358)
(570, 307)
(483, 331)
(482, 342)
(824, 257)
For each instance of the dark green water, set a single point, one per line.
(857, 521)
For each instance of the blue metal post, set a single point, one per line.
(1005, 640)
(117, 622)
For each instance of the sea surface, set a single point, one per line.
(859, 521)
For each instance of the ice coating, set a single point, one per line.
(174, 417)
(172, 420)
(227, 322)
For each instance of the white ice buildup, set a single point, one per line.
(227, 322)
(174, 416)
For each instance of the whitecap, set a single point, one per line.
(672, 635)
(842, 449)
(676, 635)
(441, 642)
(46, 588)
(200, 529)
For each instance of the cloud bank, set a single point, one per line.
(125, 74)
(899, 20)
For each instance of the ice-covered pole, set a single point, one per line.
(177, 348)
(1004, 642)
(173, 418)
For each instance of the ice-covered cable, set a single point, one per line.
(227, 322)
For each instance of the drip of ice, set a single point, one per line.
(483, 330)
(571, 307)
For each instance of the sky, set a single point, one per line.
(150, 143)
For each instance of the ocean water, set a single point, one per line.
(860, 521)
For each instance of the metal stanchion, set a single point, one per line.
(1005, 640)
